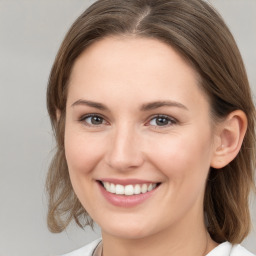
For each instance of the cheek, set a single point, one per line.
(82, 152)
(182, 157)
(185, 162)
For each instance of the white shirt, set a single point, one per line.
(224, 249)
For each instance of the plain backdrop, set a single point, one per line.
(30, 34)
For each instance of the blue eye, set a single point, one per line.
(93, 120)
(162, 120)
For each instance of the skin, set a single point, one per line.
(124, 74)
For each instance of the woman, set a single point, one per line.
(154, 121)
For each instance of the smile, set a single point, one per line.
(127, 193)
(128, 190)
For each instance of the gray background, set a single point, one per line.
(30, 34)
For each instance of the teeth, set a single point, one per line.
(137, 189)
(119, 189)
(144, 188)
(107, 186)
(150, 187)
(128, 190)
(112, 188)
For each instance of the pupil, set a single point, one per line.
(96, 120)
(162, 121)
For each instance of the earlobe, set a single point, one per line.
(230, 136)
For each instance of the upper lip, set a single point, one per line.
(127, 181)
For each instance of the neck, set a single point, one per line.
(179, 240)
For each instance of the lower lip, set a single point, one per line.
(126, 201)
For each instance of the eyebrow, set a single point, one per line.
(159, 104)
(89, 103)
(145, 107)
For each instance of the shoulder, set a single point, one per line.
(86, 250)
(227, 249)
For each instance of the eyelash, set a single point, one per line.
(171, 121)
(83, 119)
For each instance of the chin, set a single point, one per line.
(128, 230)
(127, 234)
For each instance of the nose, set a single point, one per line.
(124, 152)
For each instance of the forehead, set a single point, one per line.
(129, 66)
(130, 53)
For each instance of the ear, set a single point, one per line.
(229, 138)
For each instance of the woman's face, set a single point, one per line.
(137, 121)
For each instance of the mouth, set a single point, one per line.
(129, 189)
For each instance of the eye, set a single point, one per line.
(93, 120)
(162, 121)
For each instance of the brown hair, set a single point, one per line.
(199, 34)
